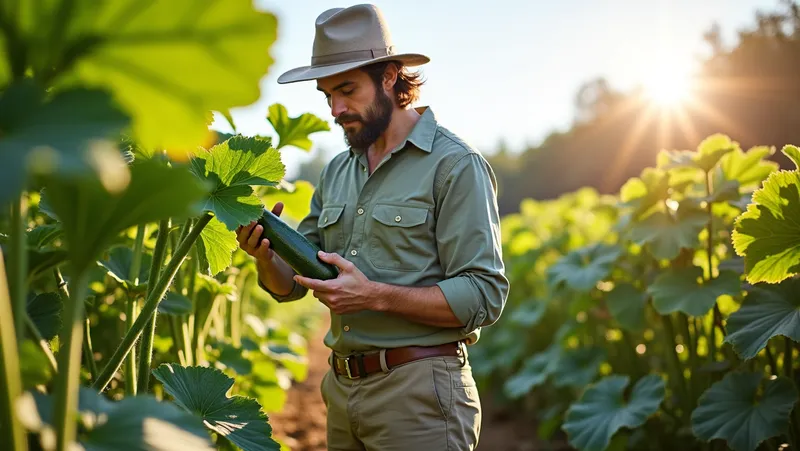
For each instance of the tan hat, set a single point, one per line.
(347, 38)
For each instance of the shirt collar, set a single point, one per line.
(422, 134)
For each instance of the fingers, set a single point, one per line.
(277, 209)
(255, 237)
(263, 252)
(313, 284)
(243, 233)
(337, 260)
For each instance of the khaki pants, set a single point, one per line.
(426, 405)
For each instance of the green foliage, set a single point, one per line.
(125, 209)
(629, 312)
(602, 410)
(734, 410)
(202, 391)
(767, 235)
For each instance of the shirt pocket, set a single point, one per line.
(330, 227)
(400, 238)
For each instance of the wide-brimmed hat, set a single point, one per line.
(348, 38)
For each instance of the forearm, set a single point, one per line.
(276, 275)
(425, 305)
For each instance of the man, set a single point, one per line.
(409, 216)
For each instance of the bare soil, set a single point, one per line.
(301, 424)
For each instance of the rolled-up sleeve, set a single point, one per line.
(469, 243)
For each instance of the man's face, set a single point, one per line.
(358, 106)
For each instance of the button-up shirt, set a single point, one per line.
(426, 216)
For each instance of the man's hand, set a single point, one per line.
(273, 272)
(350, 292)
(248, 237)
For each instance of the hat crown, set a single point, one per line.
(349, 32)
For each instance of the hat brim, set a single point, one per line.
(306, 73)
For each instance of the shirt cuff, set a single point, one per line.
(464, 301)
(298, 291)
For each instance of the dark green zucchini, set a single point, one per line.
(294, 248)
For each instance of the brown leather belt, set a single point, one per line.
(361, 365)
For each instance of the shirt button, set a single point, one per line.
(397, 218)
(354, 252)
(346, 328)
(361, 211)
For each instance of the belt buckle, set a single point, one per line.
(347, 367)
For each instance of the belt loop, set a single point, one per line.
(384, 366)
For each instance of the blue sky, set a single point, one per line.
(504, 69)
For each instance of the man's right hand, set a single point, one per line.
(248, 237)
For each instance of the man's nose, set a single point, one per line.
(337, 107)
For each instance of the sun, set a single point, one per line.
(668, 86)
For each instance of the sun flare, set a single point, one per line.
(668, 86)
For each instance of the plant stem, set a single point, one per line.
(693, 364)
(132, 308)
(174, 328)
(680, 380)
(88, 352)
(69, 361)
(788, 348)
(150, 305)
(146, 351)
(14, 437)
(19, 264)
(773, 364)
(42, 343)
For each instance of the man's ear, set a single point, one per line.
(390, 77)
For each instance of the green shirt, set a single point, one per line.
(427, 215)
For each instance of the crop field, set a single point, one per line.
(665, 316)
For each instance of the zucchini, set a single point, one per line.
(294, 248)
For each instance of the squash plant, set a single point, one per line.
(119, 269)
(663, 317)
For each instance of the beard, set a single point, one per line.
(378, 116)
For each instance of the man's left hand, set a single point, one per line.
(350, 292)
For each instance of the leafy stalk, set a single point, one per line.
(19, 264)
(146, 351)
(132, 308)
(69, 362)
(710, 254)
(693, 363)
(151, 304)
(13, 436)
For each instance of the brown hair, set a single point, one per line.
(407, 85)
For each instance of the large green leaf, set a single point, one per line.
(685, 290)
(708, 153)
(43, 136)
(202, 391)
(294, 131)
(578, 367)
(748, 168)
(119, 264)
(137, 423)
(667, 233)
(644, 192)
(232, 167)
(604, 408)
(735, 410)
(44, 309)
(626, 305)
(175, 304)
(217, 244)
(582, 268)
(767, 311)
(534, 372)
(767, 235)
(92, 216)
(166, 62)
